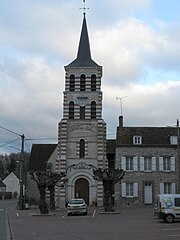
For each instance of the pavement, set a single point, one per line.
(30, 224)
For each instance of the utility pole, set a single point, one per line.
(178, 158)
(21, 175)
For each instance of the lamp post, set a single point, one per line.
(178, 158)
(21, 178)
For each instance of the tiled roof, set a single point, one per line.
(150, 135)
(40, 154)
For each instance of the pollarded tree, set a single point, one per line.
(109, 177)
(47, 180)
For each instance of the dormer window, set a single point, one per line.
(173, 140)
(137, 140)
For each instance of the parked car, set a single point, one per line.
(169, 207)
(76, 206)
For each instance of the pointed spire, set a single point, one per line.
(84, 53)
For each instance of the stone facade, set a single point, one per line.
(150, 164)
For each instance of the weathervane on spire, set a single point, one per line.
(84, 7)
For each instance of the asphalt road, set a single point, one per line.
(4, 226)
(129, 224)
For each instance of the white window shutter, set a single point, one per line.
(141, 163)
(153, 163)
(135, 163)
(160, 163)
(123, 163)
(135, 190)
(173, 188)
(161, 188)
(172, 163)
(123, 189)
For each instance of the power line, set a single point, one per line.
(9, 142)
(8, 130)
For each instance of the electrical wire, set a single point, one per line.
(9, 142)
(8, 130)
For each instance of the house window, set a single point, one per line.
(82, 148)
(72, 83)
(129, 190)
(137, 140)
(129, 163)
(93, 82)
(71, 110)
(82, 112)
(82, 82)
(167, 163)
(93, 110)
(173, 140)
(167, 188)
(147, 164)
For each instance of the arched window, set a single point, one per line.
(93, 82)
(93, 109)
(82, 112)
(71, 110)
(82, 82)
(82, 148)
(72, 83)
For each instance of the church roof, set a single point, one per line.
(40, 155)
(83, 58)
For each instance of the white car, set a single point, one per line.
(76, 206)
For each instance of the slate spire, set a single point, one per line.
(83, 58)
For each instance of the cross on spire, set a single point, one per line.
(84, 7)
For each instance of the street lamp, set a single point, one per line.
(178, 158)
(21, 179)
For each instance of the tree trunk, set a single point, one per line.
(108, 185)
(43, 205)
(52, 197)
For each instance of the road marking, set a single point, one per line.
(171, 229)
(17, 214)
(94, 213)
(1, 209)
(175, 235)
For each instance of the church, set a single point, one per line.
(82, 131)
(149, 155)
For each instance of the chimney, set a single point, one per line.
(121, 121)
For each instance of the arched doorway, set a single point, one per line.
(82, 189)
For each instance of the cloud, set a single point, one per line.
(31, 97)
(140, 60)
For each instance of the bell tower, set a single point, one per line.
(82, 131)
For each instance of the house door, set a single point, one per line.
(148, 193)
(82, 189)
